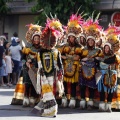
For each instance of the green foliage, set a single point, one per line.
(62, 8)
(3, 7)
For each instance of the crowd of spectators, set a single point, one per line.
(10, 60)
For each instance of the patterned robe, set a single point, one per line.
(71, 69)
(88, 69)
(49, 81)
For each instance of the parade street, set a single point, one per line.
(15, 112)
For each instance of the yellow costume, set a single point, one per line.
(50, 70)
(109, 68)
(70, 53)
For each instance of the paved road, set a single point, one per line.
(13, 112)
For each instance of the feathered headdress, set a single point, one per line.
(54, 24)
(52, 32)
(92, 29)
(74, 25)
(111, 29)
(112, 38)
(32, 31)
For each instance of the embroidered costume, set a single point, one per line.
(30, 57)
(88, 62)
(50, 71)
(70, 55)
(108, 67)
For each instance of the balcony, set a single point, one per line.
(108, 5)
(20, 7)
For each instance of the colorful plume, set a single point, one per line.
(75, 21)
(111, 29)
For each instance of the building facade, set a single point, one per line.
(17, 19)
(21, 15)
(110, 12)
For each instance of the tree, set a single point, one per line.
(62, 8)
(3, 11)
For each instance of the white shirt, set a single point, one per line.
(8, 64)
(15, 52)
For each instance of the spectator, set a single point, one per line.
(9, 65)
(15, 50)
(3, 71)
(4, 40)
(1, 57)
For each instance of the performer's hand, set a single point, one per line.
(85, 59)
(83, 63)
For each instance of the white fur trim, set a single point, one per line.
(48, 111)
(71, 34)
(90, 103)
(91, 38)
(82, 104)
(102, 106)
(108, 45)
(64, 102)
(32, 100)
(26, 101)
(72, 103)
(108, 107)
(36, 33)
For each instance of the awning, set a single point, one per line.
(108, 5)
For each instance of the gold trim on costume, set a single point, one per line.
(46, 89)
(50, 68)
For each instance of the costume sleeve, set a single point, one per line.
(110, 60)
(84, 53)
(100, 54)
(62, 50)
(78, 51)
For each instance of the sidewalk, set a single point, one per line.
(7, 93)
(17, 112)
